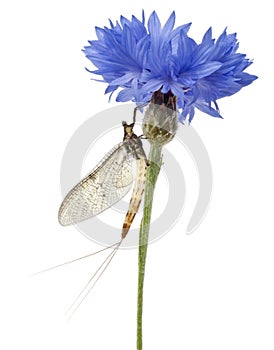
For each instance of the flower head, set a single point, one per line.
(140, 60)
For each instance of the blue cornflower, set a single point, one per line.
(140, 60)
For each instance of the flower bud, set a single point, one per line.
(160, 119)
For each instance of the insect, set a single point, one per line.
(108, 182)
(105, 185)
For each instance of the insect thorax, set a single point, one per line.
(132, 142)
(135, 147)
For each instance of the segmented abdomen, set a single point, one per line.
(136, 196)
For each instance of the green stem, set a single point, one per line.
(155, 159)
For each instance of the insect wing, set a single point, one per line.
(107, 183)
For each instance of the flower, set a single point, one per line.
(140, 60)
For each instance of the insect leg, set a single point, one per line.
(136, 109)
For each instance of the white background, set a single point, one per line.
(210, 290)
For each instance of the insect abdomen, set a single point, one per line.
(136, 197)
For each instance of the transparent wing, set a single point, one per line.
(107, 183)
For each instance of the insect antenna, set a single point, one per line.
(89, 285)
(77, 259)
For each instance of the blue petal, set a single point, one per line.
(153, 85)
(141, 60)
(126, 78)
(208, 35)
(124, 95)
(177, 90)
(167, 28)
(154, 24)
(192, 75)
(203, 107)
(110, 89)
(202, 52)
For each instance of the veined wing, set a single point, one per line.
(105, 185)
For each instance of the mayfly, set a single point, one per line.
(105, 185)
(108, 182)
